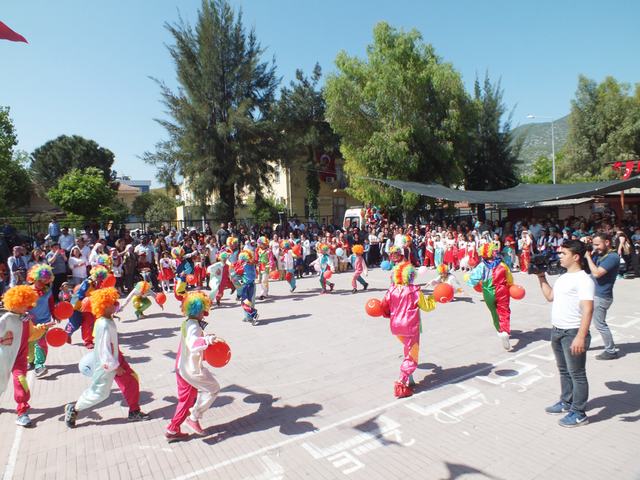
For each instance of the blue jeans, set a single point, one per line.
(573, 374)
(600, 307)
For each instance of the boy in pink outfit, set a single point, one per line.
(402, 304)
(359, 267)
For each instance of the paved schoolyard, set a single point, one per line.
(309, 394)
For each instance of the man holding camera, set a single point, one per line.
(572, 295)
(604, 270)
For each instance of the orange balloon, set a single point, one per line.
(161, 298)
(56, 337)
(516, 292)
(373, 307)
(63, 310)
(86, 305)
(327, 274)
(443, 293)
(191, 279)
(110, 281)
(217, 354)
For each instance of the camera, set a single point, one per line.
(545, 263)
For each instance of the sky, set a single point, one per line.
(87, 68)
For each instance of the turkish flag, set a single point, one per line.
(7, 34)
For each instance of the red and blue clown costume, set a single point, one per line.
(324, 261)
(494, 276)
(83, 318)
(40, 277)
(245, 272)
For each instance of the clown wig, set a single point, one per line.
(358, 249)
(443, 269)
(40, 273)
(142, 287)
(177, 253)
(285, 244)
(487, 250)
(232, 241)
(195, 303)
(395, 250)
(99, 273)
(404, 273)
(101, 299)
(104, 260)
(246, 256)
(20, 297)
(323, 248)
(262, 240)
(223, 256)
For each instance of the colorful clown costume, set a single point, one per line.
(15, 333)
(197, 387)
(245, 271)
(139, 296)
(495, 278)
(41, 277)
(265, 264)
(108, 365)
(402, 304)
(288, 262)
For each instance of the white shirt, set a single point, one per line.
(568, 291)
(67, 241)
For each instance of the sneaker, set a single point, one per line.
(88, 346)
(607, 355)
(504, 337)
(400, 390)
(261, 297)
(217, 302)
(24, 421)
(194, 426)
(293, 289)
(254, 322)
(175, 436)
(573, 419)
(331, 285)
(354, 290)
(70, 415)
(138, 416)
(557, 408)
(40, 371)
(366, 285)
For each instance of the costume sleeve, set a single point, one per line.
(453, 281)
(426, 302)
(476, 275)
(36, 331)
(386, 310)
(194, 341)
(108, 358)
(507, 274)
(433, 282)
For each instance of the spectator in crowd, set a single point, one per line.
(77, 265)
(17, 265)
(66, 240)
(54, 230)
(57, 260)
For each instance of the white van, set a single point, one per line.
(354, 217)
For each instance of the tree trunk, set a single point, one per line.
(227, 202)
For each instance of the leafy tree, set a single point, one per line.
(492, 161)
(57, 157)
(221, 132)
(142, 203)
(301, 116)
(82, 193)
(116, 210)
(265, 209)
(163, 209)
(604, 128)
(15, 183)
(542, 171)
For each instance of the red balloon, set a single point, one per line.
(288, 276)
(478, 287)
(86, 305)
(275, 275)
(443, 293)
(161, 298)
(297, 250)
(191, 279)
(217, 354)
(516, 292)
(373, 307)
(56, 337)
(327, 274)
(110, 281)
(63, 310)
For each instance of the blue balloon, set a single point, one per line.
(87, 363)
(386, 265)
(339, 252)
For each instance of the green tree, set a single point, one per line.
(492, 160)
(265, 209)
(82, 193)
(163, 209)
(604, 128)
(116, 210)
(542, 171)
(15, 183)
(301, 116)
(142, 203)
(57, 157)
(221, 132)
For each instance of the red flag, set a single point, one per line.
(628, 170)
(7, 34)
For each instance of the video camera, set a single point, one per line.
(545, 263)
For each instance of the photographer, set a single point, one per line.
(604, 269)
(572, 296)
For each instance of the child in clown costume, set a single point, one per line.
(289, 264)
(197, 387)
(84, 319)
(139, 295)
(40, 277)
(266, 263)
(324, 264)
(109, 364)
(233, 245)
(402, 304)
(245, 271)
(359, 267)
(445, 276)
(16, 331)
(495, 277)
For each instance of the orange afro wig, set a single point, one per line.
(358, 249)
(20, 297)
(101, 299)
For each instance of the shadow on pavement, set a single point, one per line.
(457, 470)
(527, 338)
(441, 375)
(138, 340)
(267, 321)
(617, 404)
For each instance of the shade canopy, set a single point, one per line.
(523, 194)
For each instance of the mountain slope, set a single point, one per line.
(536, 139)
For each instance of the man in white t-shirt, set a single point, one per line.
(572, 296)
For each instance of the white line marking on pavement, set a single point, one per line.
(331, 426)
(13, 454)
